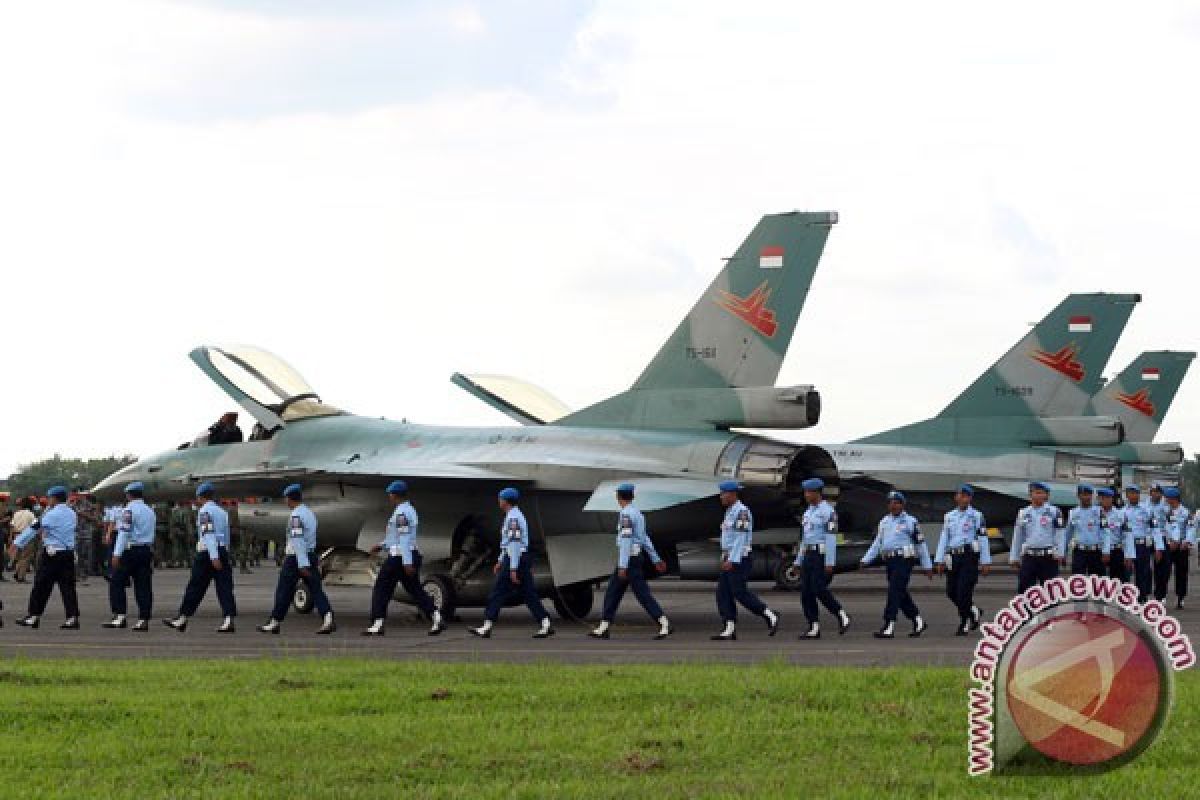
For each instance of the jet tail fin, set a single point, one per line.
(1054, 369)
(1142, 393)
(737, 334)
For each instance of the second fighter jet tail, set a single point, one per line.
(1143, 392)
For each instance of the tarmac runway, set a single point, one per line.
(690, 606)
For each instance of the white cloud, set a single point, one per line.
(558, 230)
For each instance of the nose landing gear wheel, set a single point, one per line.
(574, 601)
(441, 591)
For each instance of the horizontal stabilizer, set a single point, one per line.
(653, 494)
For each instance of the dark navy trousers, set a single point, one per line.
(54, 569)
(1036, 570)
(641, 590)
(392, 573)
(1143, 571)
(731, 590)
(203, 574)
(503, 587)
(899, 571)
(289, 576)
(1087, 562)
(1116, 565)
(137, 565)
(1172, 560)
(816, 587)
(960, 582)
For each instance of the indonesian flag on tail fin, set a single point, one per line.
(1079, 325)
(770, 258)
(1150, 374)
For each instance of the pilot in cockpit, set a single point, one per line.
(225, 430)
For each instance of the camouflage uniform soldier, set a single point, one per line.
(162, 531)
(85, 530)
(180, 516)
(238, 533)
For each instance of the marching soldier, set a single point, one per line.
(737, 539)
(963, 552)
(402, 565)
(299, 565)
(514, 569)
(210, 565)
(1157, 506)
(133, 559)
(56, 531)
(1143, 542)
(1037, 547)
(816, 558)
(1090, 553)
(1112, 527)
(632, 541)
(900, 543)
(1181, 539)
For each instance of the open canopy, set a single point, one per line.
(269, 388)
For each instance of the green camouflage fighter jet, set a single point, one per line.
(1025, 418)
(1140, 397)
(669, 433)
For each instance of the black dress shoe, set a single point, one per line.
(722, 637)
(599, 634)
(142, 625)
(227, 628)
(29, 622)
(843, 626)
(544, 634)
(437, 629)
(113, 623)
(884, 633)
(179, 626)
(976, 617)
(481, 634)
(1179, 604)
(963, 628)
(810, 634)
(664, 634)
(70, 625)
(369, 632)
(773, 627)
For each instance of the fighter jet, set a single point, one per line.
(670, 433)
(1025, 418)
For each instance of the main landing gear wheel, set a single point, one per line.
(302, 599)
(441, 591)
(574, 601)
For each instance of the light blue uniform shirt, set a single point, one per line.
(135, 526)
(818, 528)
(1112, 528)
(632, 538)
(57, 527)
(514, 537)
(1158, 515)
(1178, 527)
(212, 523)
(899, 532)
(400, 538)
(1083, 526)
(1138, 523)
(737, 532)
(964, 528)
(302, 534)
(1037, 528)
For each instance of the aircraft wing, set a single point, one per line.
(653, 494)
(410, 472)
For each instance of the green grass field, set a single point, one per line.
(362, 728)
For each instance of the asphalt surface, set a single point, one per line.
(690, 606)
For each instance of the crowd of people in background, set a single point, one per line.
(175, 539)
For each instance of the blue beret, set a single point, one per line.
(57, 491)
(136, 486)
(205, 488)
(1133, 487)
(1084, 488)
(294, 491)
(729, 486)
(510, 494)
(813, 485)
(1038, 485)
(967, 489)
(625, 488)
(1105, 491)
(897, 496)
(1172, 492)
(397, 487)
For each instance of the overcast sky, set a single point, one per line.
(386, 192)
